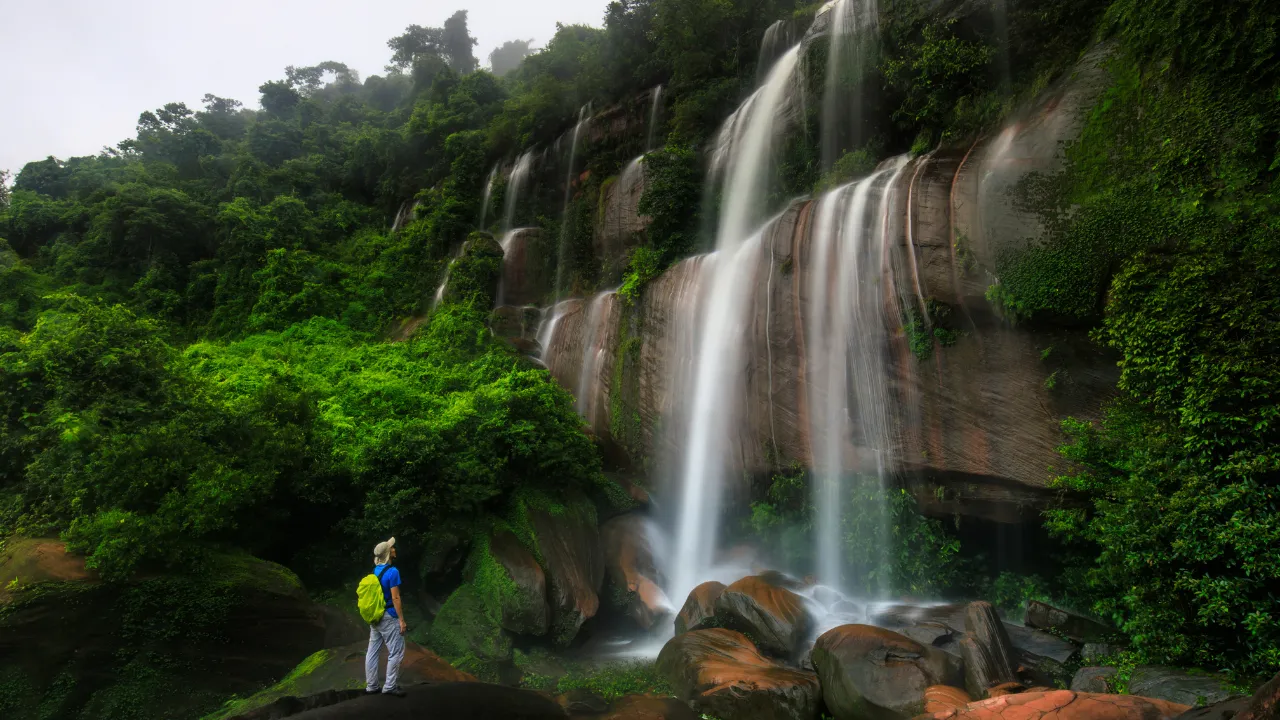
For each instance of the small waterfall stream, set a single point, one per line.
(584, 117)
(488, 193)
(519, 175)
(652, 130)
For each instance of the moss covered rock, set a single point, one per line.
(511, 583)
(564, 537)
(465, 629)
(473, 277)
(71, 645)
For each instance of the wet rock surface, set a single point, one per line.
(940, 698)
(699, 607)
(770, 613)
(722, 674)
(1063, 705)
(1178, 686)
(632, 569)
(445, 701)
(1043, 616)
(869, 673)
(647, 707)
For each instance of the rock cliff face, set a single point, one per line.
(980, 415)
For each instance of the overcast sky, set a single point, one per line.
(80, 71)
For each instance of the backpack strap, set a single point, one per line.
(384, 571)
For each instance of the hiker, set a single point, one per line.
(388, 631)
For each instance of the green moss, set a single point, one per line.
(464, 628)
(285, 688)
(614, 680)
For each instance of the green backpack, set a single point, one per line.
(370, 599)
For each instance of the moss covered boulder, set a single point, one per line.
(337, 669)
(72, 646)
(564, 537)
(511, 583)
(466, 629)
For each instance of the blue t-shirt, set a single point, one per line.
(389, 578)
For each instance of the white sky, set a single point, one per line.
(80, 71)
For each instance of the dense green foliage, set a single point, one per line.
(1163, 229)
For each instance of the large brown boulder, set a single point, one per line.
(699, 607)
(773, 615)
(722, 674)
(566, 541)
(228, 624)
(869, 673)
(1063, 705)
(633, 570)
(338, 669)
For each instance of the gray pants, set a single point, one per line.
(385, 632)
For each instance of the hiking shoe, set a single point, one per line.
(396, 691)
(375, 691)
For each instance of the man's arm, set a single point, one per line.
(395, 600)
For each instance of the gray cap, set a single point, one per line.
(382, 551)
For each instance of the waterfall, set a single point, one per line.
(547, 329)
(745, 147)
(776, 37)
(584, 117)
(592, 349)
(488, 193)
(444, 282)
(851, 32)
(653, 118)
(846, 344)
(405, 214)
(506, 242)
(519, 174)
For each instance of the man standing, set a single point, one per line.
(390, 630)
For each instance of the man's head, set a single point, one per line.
(384, 552)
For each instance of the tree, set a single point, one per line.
(508, 57)
(4, 189)
(456, 42)
(416, 41)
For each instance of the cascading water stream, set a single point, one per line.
(852, 28)
(747, 142)
(653, 118)
(584, 117)
(846, 342)
(519, 174)
(592, 349)
(488, 193)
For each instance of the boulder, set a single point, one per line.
(564, 537)
(903, 615)
(869, 673)
(203, 630)
(647, 707)
(1043, 657)
(338, 669)
(699, 607)
(511, 583)
(632, 569)
(1009, 688)
(526, 279)
(1093, 652)
(1077, 627)
(1265, 703)
(1063, 705)
(443, 701)
(936, 635)
(773, 615)
(940, 698)
(988, 654)
(1093, 679)
(722, 674)
(1179, 686)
